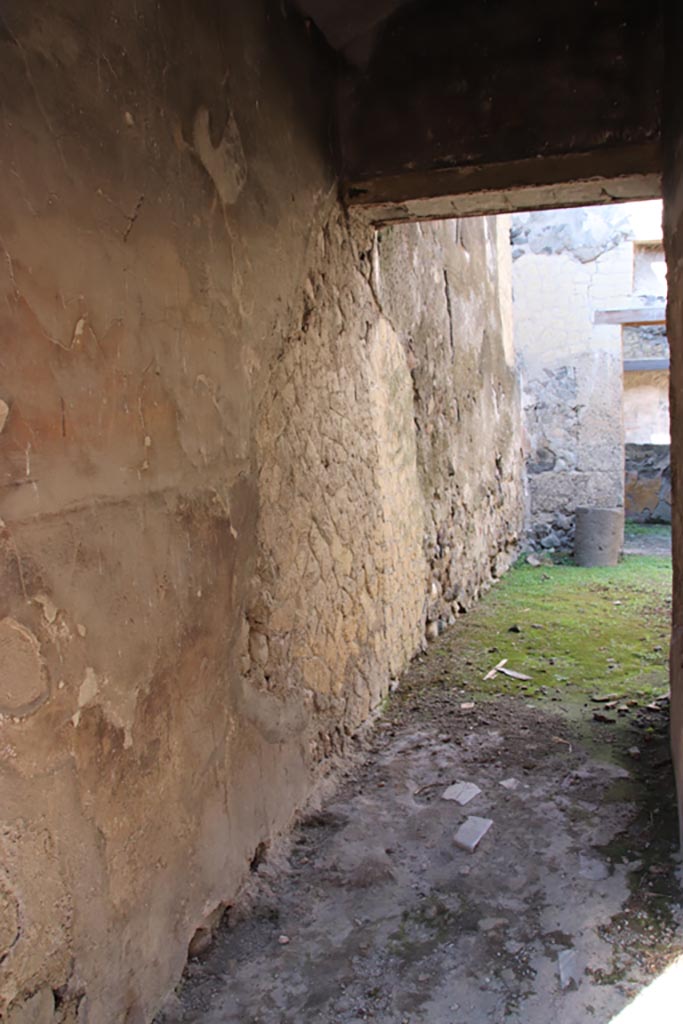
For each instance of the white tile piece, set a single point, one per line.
(461, 792)
(568, 968)
(471, 833)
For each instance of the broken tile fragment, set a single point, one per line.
(510, 784)
(568, 968)
(461, 792)
(471, 833)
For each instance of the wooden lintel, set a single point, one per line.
(619, 174)
(645, 365)
(633, 317)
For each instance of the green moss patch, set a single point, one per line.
(578, 633)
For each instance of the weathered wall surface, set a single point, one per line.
(646, 407)
(222, 530)
(580, 407)
(466, 404)
(567, 264)
(647, 491)
(647, 342)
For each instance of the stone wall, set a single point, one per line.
(645, 342)
(648, 483)
(244, 446)
(466, 398)
(579, 405)
(567, 264)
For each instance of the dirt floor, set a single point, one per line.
(569, 906)
(645, 539)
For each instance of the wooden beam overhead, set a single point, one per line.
(642, 365)
(475, 108)
(633, 317)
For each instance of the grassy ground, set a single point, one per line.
(577, 632)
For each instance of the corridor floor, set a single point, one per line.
(569, 906)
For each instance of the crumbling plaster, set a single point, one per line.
(466, 397)
(571, 376)
(229, 513)
(568, 264)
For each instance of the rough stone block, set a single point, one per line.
(471, 833)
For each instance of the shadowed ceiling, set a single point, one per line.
(350, 26)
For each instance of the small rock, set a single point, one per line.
(605, 719)
(4, 413)
(200, 943)
(489, 924)
(515, 629)
(510, 784)
(467, 706)
(283, 940)
(592, 868)
(432, 630)
(471, 833)
(461, 792)
(533, 560)
(634, 752)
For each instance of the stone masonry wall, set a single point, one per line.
(567, 264)
(466, 398)
(230, 498)
(648, 483)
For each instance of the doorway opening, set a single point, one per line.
(505, 841)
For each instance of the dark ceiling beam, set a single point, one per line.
(575, 179)
(469, 108)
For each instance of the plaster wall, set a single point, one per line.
(466, 398)
(568, 264)
(647, 480)
(229, 509)
(646, 407)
